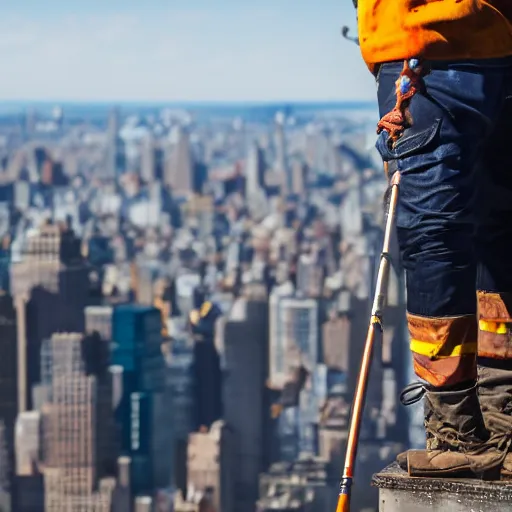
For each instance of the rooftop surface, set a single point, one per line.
(400, 493)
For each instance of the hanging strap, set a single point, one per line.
(412, 393)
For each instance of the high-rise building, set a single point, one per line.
(294, 337)
(281, 151)
(50, 286)
(244, 395)
(115, 154)
(254, 171)
(179, 165)
(152, 160)
(180, 393)
(142, 412)
(210, 463)
(8, 387)
(71, 421)
(207, 374)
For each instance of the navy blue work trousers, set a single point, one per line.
(454, 215)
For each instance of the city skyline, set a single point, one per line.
(259, 53)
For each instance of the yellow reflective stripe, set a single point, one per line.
(494, 327)
(432, 350)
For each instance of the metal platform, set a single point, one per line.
(398, 492)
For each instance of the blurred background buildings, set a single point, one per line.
(184, 299)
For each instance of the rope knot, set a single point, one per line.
(407, 85)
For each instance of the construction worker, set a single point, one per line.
(444, 78)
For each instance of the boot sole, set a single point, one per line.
(419, 466)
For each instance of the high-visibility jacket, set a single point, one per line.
(434, 29)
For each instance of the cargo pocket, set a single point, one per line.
(415, 140)
(411, 155)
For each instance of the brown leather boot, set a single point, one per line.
(458, 443)
(495, 392)
(495, 369)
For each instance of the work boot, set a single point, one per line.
(457, 441)
(495, 392)
(495, 369)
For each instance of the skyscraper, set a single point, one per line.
(179, 166)
(70, 423)
(245, 405)
(115, 155)
(50, 287)
(8, 387)
(210, 464)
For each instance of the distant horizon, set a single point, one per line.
(186, 49)
(205, 102)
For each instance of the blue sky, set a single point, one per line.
(172, 50)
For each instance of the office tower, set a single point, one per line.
(281, 163)
(179, 165)
(244, 395)
(152, 160)
(50, 287)
(142, 413)
(115, 151)
(148, 159)
(180, 399)
(210, 463)
(8, 388)
(137, 346)
(207, 374)
(299, 177)
(254, 171)
(71, 421)
(294, 337)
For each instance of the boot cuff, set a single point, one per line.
(495, 325)
(444, 349)
(494, 307)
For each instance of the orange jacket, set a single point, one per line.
(435, 29)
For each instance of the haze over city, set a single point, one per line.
(177, 50)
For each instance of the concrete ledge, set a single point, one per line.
(398, 492)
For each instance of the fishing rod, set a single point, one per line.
(362, 381)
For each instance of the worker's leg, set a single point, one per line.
(448, 125)
(495, 283)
